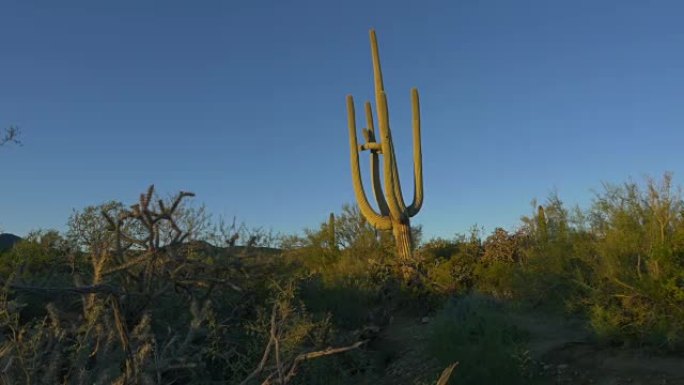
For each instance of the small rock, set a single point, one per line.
(425, 320)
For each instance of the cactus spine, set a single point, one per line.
(393, 213)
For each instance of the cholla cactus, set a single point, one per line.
(393, 213)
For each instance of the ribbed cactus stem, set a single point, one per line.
(332, 234)
(394, 214)
(417, 203)
(376, 220)
(541, 223)
(375, 162)
(404, 243)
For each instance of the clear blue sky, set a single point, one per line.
(243, 103)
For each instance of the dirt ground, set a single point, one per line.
(566, 354)
(562, 352)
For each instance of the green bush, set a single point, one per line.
(475, 332)
(450, 264)
(347, 303)
(637, 293)
(620, 263)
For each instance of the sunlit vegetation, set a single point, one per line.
(157, 293)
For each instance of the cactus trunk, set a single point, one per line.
(404, 243)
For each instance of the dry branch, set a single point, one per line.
(286, 371)
(91, 289)
(321, 353)
(446, 374)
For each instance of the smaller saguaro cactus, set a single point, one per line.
(332, 235)
(393, 213)
(542, 226)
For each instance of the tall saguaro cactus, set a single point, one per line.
(393, 213)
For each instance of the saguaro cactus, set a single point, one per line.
(542, 227)
(332, 235)
(393, 213)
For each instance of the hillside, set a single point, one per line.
(7, 241)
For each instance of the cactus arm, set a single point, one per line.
(377, 185)
(389, 170)
(374, 147)
(398, 195)
(377, 71)
(417, 157)
(375, 219)
(375, 162)
(393, 188)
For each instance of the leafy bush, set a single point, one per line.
(40, 252)
(450, 264)
(132, 299)
(637, 293)
(474, 332)
(620, 263)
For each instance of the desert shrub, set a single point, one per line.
(499, 263)
(474, 331)
(637, 294)
(136, 306)
(287, 330)
(543, 263)
(41, 259)
(348, 269)
(620, 263)
(498, 279)
(440, 248)
(355, 292)
(450, 264)
(347, 303)
(38, 254)
(342, 246)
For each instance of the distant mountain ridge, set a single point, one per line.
(8, 240)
